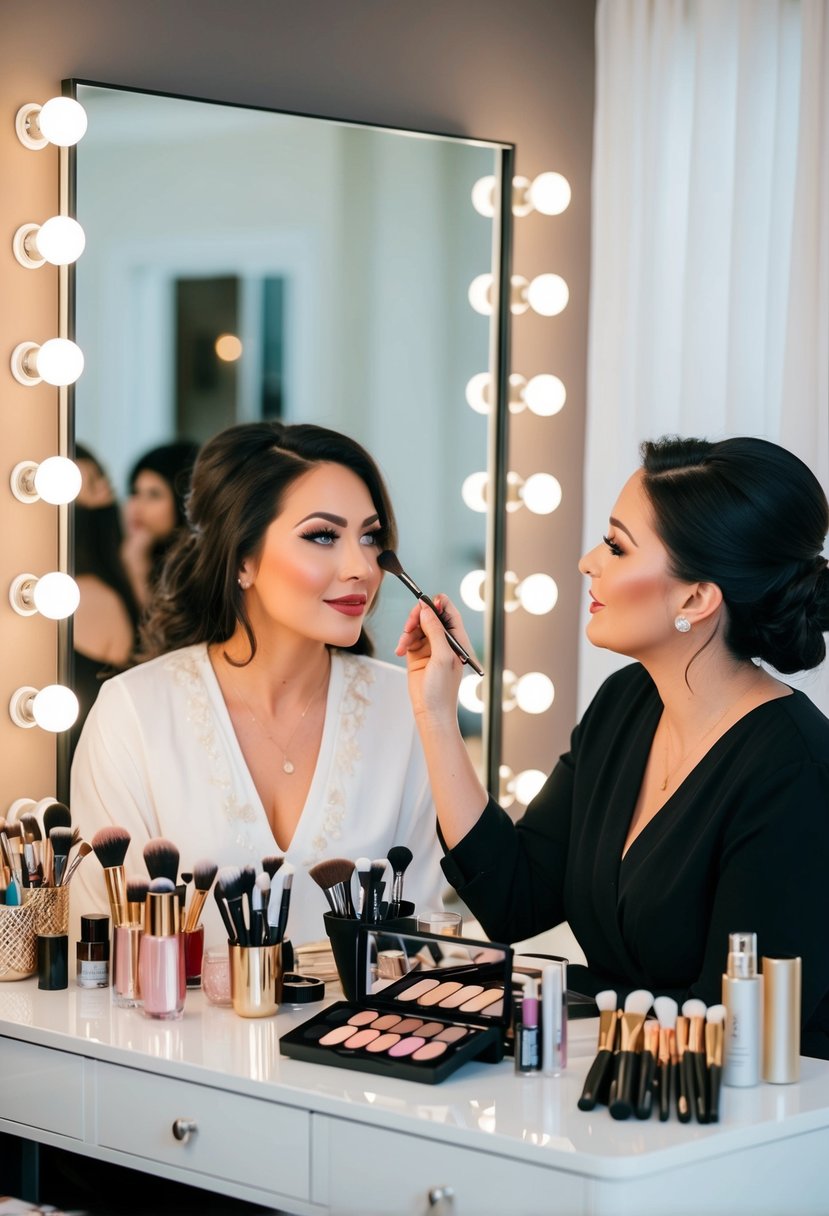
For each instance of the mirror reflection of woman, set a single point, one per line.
(154, 512)
(260, 724)
(694, 799)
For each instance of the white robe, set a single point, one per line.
(158, 755)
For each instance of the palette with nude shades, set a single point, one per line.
(425, 1005)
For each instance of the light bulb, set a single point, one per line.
(510, 588)
(521, 204)
(60, 241)
(472, 590)
(62, 121)
(538, 594)
(58, 480)
(506, 785)
(474, 491)
(515, 487)
(53, 708)
(545, 395)
(228, 348)
(541, 493)
(56, 595)
(548, 294)
(483, 196)
(534, 692)
(478, 392)
(550, 193)
(468, 694)
(480, 294)
(58, 361)
(519, 300)
(509, 681)
(527, 784)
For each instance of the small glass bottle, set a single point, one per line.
(161, 955)
(92, 952)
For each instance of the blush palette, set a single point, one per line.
(427, 1004)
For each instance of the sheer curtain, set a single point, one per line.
(710, 282)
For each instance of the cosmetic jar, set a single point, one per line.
(215, 976)
(781, 1020)
(255, 980)
(52, 961)
(300, 990)
(92, 952)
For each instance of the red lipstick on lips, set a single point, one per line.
(595, 604)
(349, 605)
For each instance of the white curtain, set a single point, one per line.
(709, 289)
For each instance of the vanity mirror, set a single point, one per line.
(244, 263)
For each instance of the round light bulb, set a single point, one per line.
(527, 784)
(545, 395)
(483, 196)
(228, 348)
(534, 692)
(473, 586)
(550, 193)
(60, 241)
(541, 493)
(538, 594)
(474, 491)
(478, 392)
(62, 121)
(548, 294)
(58, 480)
(55, 708)
(468, 694)
(59, 361)
(56, 596)
(480, 294)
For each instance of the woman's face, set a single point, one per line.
(95, 488)
(317, 573)
(633, 597)
(151, 506)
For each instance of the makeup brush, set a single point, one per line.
(285, 901)
(55, 815)
(110, 847)
(597, 1086)
(259, 905)
(229, 893)
(12, 838)
(684, 1074)
(161, 857)
(230, 929)
(248, 885)
(204, 872)
(60, 839)
(32, 840)
(665, 1008)
(84, 849)
(362, 867)
(271, 864)
(714, 1034)
(376, 884)
(694, 1011)
(389, 561)
(647, 1069)
(637, 1004)
(137, 889)
(333, 876)
(400, 859)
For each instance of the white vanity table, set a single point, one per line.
(304, 1139)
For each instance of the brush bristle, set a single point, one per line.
(607, 999)
(715, 1013)
(30, 826)
(61, 841)
(666, 1009)
(161, 858)
(389, 561)
(287, 876)
(271, 864)
(110, 846)
(693, 1008)
(229, 882)
(56, 816)
(263, 882)
(362, 865)
(331, 871)
(204, 872)
(378, 870)
(13, 829)
(162, 886)
(399, 857)
(638, 1001)
(137, 889)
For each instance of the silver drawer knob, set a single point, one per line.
(183, 1129)
(442, 1199)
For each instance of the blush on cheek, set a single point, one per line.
(304, 574)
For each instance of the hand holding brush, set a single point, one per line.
(389, 561)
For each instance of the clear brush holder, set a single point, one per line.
(50, 907)
(18, 942)
(255, 980)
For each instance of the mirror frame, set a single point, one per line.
(497, 419)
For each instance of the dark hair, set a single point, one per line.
(97, 536)
(752, 518)
(174, 462)
(238, 485)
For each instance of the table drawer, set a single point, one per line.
(41, 1088)
(237, 1138)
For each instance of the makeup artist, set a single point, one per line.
(260, 724)
(694, 799)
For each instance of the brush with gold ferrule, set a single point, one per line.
(597, 1085)
(648, 1078)
(110, 847)
(666, 1009)
(684, 1073)
(694, 1010)
(623, 1089)
(204, 872)
(714, 1035)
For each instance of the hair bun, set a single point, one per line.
(789, 625)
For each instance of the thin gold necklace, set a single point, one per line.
(671, 772)
(288, 765)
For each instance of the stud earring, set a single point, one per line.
(244, 586)
(682, 624)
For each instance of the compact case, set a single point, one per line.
(425, 1005)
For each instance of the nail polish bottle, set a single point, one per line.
(161, 956)
(92, 952)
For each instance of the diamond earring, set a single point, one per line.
(682, 624)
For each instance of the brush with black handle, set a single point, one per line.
(666, 1009)
(399, 858)
(389, 561)
(597, 1084)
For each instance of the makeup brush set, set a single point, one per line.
(668, 1062)
(36, 840)
(335, 877)
(254, 907)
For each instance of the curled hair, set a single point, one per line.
(238, 486)
(752, 518)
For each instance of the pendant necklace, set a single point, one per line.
(288, 765)
(670, 772)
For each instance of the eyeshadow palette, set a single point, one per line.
(426, 1005)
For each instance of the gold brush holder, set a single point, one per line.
(18, 942)
(50, 907)
(255, 980)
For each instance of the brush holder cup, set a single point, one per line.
(255, 980)
(18, 942)
(350, 951)
(50, 907)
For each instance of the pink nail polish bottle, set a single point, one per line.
(161, 958)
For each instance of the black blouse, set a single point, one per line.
(742, 845)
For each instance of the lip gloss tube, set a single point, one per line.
(554, 1018)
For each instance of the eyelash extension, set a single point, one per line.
(612, 546)
(316, 533)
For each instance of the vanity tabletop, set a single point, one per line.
(481, 1106)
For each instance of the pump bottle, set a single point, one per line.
(742, 995)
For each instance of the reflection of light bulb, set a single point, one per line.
(541, 493)
(534, 692)
(472, 589)
(521, 205)
(483, 196)
(58, 361)
(518, 297)
(527, 784)
(545, 395)
(550, 193)
(468, 694)
(509, 681)
(58, 480)
(56, 595)
(228, 348)
(538, 594)
(480, 294)
(506, 785)
(53, 708)
(62, 121)
(510, 587)
(59, 241)
(478, 393)
(474, 491)
(548, 294)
